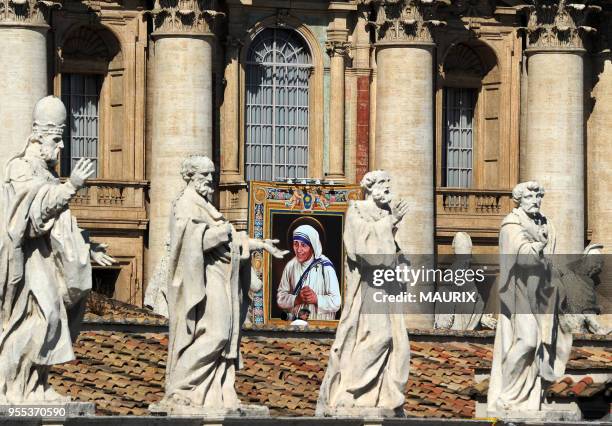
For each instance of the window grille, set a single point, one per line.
(276, 114)
(81, 95)
(458, 136)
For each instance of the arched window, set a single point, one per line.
(276, 114)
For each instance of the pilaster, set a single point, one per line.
(338, 50)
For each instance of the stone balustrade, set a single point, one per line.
(106, 203)
(106, 192)
(473, 201)
(476, 211)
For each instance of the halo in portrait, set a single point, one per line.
(307, 220)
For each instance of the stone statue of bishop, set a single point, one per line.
(45, 262)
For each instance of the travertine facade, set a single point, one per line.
(533, 80)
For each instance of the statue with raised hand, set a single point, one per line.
(45, 260)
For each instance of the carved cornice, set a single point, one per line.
(26, 12)
(185, 16)
(338, 48)
(405, 21)
(557, 24)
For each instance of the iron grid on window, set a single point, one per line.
(276, 132)
(458, 136)
(81, 95)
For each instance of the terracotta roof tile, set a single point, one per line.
(101, 309)
(124, 372)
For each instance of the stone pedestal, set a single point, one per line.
(210, 413)
(554, 149)
(370, 413)
(548, 413)
(47, 410)
(181, 112)
(23, 72)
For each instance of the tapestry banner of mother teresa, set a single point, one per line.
(306, 288)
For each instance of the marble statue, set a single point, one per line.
(208, 279)
(370, 358)
(531, 348)
(455, 315)
(579, 279)
(156, 293)
(45, 260)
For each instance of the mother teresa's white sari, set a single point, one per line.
(321, 279)
(318, 273)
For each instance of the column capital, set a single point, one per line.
(557, 24)
(338, 48)
(406, 21)
(33, 13)
(189, 17)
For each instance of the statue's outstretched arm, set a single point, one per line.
(269, 246)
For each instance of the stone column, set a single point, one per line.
(599, 158)
(599, 161)
(553, 153)
(404, 142)
(182, 106)
(404, 115)
(337, 50)
(23, 70)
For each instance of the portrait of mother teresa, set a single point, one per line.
(309, 279)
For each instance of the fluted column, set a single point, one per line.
(337, 51)
(404, 116)
(182, 104)
(404, 142)
(23, 69)
(553, 153)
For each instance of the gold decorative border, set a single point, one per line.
(267, 196)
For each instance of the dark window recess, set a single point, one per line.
(104, 280)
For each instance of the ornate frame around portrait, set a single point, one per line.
(271, 202)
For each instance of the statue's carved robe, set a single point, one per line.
(207, 305)
(530, 345)
(370, 358)
(45, 274)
